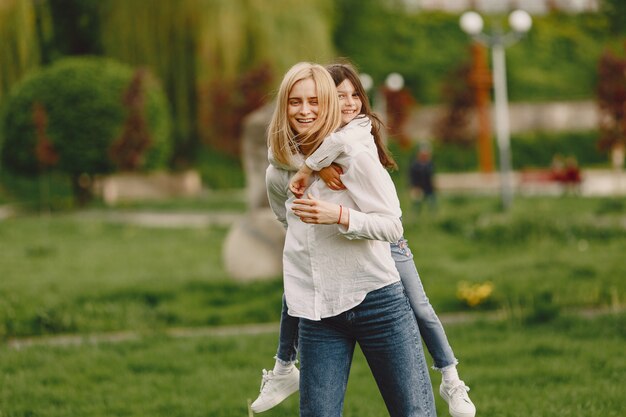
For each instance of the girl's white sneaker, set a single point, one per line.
(459, 403)
(275, 388)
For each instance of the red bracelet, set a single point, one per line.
(340, 212)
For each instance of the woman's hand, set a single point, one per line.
(314, 211)
(331, 176)
(300, 181)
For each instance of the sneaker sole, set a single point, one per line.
(452, 412)
(277, 400)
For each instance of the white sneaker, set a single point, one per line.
(275, 388)
(459, 403)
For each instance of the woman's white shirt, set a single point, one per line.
(328, 269)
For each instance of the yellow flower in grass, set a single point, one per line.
(474, 294)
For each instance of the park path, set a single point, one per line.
(162, 219)
(190, 332)
(66, 340)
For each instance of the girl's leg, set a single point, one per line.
(283, 380)
(429, 324)
(326, 351)
(452, 389)
(288, 337)
(389, 338)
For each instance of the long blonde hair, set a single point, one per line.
(283, 140)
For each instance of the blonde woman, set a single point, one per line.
(340, 279)
(360, 124)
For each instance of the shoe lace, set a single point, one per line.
(461, 389)
(266, 377)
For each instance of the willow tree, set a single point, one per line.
(246, 45)
(217, 58)
(163, 37)
(289, 31)
(19, 48)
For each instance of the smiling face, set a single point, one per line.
(302, 105)
(349, 100)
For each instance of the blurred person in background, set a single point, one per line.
(421, 178)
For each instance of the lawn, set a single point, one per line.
(568, 249)
(570, 367)
(66, 273)
(544, 261)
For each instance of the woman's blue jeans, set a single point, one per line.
(429, 325)
(385, 328)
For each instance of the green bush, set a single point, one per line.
(84, 115)
(219, 170)
(47, 192)
(455, 158)
(536, 149)
(528, 150)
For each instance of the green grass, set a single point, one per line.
(63, 273)
(67, 273)
(571, 367)
(568, 247)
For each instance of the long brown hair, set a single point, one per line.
(345, 71)
(282, 139)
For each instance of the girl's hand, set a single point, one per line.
(300, 181)
(311, 210)
(330, 175)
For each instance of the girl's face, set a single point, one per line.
(349, 101)
(302, 105)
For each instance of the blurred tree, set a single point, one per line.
(217, 58)
(68, 115)
(459, 101)
(611, 97)
(75, 28)
(246, 47)
(45, 153)
(228, 103)
(556, 61)
(165, 38)
(615, 13)
(128, 150)
(19, 49)
(381, 37)
(399, 104)
(467, 89)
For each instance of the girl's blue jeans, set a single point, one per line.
(430, 327)
(385, 328)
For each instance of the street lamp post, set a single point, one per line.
(520, 22)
